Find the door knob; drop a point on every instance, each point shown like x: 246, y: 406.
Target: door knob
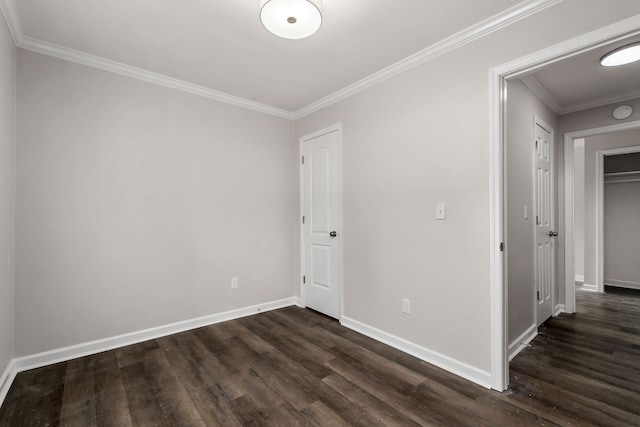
x: 333, y: 234
x: 553, y: 234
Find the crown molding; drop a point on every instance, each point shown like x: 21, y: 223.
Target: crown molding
x: 570, y: 48
x: 567, y: 49
x: 466, y: 36
x: 10, y: 13
x: 599, y: 102
x: 481, y: 29
x: 78, y: 57
x: 542, y: 93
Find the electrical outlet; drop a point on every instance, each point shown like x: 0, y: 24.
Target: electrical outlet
x: 234, y: 283
x: 406, y: 306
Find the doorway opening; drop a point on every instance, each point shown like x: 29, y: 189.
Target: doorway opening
x: 498, y: 120
x: 570, y: 211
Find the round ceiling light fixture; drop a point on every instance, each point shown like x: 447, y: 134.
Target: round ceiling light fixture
x: 622, y: 56
x: 291, y: 19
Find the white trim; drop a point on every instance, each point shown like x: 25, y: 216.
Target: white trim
x: 541, y: 92
x: 10, y: 13
x: 78, y: 57
x: 622, y: 283
x: 547, y: 98
x: 569, y: 218
x: 579, y: 279
x: 560, y: 308
x: 51, y: 49
x: 72, y: 352
x: 599, y: 102
x: 466, y: 36
x: 497, y: 76
x: 6, y: 380
x: 569, y: 48
x: 333, y: 128
x: 303, y: 296
x: 600, y: 221
x: 621, y: 177
x: 450, y: 364
x: 497, y: 235
x: 522, y: 341
x: 586, y: 287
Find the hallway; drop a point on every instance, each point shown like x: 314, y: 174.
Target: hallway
x: 584, y: 368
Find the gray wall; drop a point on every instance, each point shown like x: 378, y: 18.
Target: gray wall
x: 522, y: 106
x: 7, y: 126
x: 416, y: 140
x: 137, y: 204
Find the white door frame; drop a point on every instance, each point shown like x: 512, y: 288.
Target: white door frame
x: 569, y: 172
x: 333, y: 128
x: 497, y: 135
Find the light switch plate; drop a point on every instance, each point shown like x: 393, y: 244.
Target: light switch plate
x: 441, y: 211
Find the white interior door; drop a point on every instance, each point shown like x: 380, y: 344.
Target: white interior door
x: 321, y: 219
x: 545, y: 233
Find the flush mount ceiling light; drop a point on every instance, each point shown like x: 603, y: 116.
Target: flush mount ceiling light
x: 291, y: 19
x: 621, y: 56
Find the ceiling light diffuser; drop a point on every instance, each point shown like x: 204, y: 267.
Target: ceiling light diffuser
x: 621, y: 56
x: 291, y: 19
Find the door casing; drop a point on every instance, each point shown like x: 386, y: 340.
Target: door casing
x: 497, y: 118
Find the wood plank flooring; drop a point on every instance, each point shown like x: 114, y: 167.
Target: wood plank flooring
x: 296, y: 367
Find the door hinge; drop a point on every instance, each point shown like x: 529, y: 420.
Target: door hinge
x: 501, y: 246
x: 537, y: 220
x: 303, y: 160
x: 303, y: 219
x: 538, y: 295
x: 304, y: 279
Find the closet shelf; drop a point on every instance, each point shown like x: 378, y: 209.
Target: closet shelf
x: 618, y: 177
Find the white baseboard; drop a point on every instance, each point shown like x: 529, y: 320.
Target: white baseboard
x: 587, y: 288
x: 522, y: 341
x: 579, y: 279
x: 6, y: 380
x: 560, y: 308
x: 457, y: 367
x: 72, y: 352
x: 622, y: 283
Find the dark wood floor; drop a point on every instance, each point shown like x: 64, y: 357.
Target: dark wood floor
x: 296, y: 367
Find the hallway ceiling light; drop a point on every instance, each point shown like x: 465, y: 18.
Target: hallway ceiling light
x: 621, y: 56
x: 291, y: 19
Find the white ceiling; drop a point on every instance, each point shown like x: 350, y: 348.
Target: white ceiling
x: 580, y: 82
x: 221, y: 44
